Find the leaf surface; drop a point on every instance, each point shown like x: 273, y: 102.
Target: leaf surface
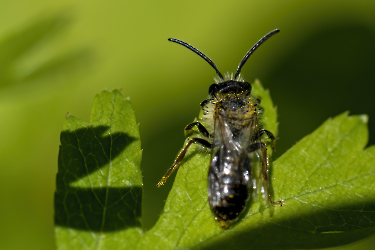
x: 99, y: 181
x: 326, y: 183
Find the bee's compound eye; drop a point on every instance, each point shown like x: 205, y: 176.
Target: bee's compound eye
x: 213, y: 89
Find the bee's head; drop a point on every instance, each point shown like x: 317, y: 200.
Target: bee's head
x: 228, y: 84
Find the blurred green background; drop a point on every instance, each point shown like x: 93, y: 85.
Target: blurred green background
x: 56, y: 55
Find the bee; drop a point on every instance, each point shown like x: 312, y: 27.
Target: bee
x: 231, y: 129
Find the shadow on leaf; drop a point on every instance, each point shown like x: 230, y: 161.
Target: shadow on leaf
x: 325, y: 227
x: 101, y: 209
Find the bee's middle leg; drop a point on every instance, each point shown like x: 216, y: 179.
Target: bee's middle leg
x: 181, y: 156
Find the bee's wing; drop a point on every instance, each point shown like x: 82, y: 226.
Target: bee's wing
x: 230, y: 163
x: 259, y: 161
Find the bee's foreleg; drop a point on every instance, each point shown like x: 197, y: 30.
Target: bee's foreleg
x: 181, y: 156
x: 200, y: 127
x: 205, y: 102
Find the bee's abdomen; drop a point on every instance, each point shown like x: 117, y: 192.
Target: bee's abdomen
x: 228, y: 185
x: 231, y: 202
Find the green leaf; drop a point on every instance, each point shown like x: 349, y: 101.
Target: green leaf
x: 326, y: 183
x: 99, y: 181
x: 269, y: 117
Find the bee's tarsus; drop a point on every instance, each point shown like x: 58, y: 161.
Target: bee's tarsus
x: 280, y: 203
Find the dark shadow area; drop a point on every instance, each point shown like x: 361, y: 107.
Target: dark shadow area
x: 82, y: 152
x: 331, y: 72
x: 76, y: 155
x: 326, y: 228
x: 99, y: 209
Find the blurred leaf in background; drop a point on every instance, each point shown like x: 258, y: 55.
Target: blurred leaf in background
x: 23, y: 59
x: 28, y: 64
x: 18, y: 48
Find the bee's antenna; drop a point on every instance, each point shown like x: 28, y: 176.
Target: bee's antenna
x: 196, y: 51
x: 248, y: 54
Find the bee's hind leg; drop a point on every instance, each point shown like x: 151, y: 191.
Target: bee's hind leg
x: 181, y: 156
x: 270, y: 135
